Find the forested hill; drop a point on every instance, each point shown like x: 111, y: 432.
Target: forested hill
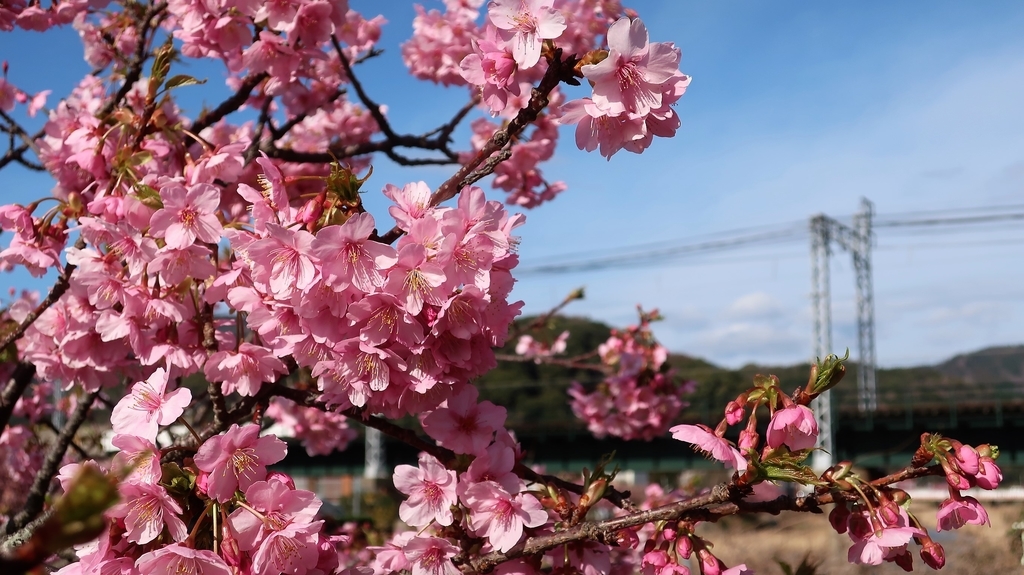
x: 535, y: 395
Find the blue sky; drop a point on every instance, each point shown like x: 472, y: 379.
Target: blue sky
x: 794, y: 109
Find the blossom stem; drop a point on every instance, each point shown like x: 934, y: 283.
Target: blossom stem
x: 199, y: 523
x: 216, y: 532
x: 190, y: 430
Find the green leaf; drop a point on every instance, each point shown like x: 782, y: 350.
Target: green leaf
x: 140, y: 158
x: 180, y: 80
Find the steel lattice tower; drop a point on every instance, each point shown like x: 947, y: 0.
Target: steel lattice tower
x: 857, y: 240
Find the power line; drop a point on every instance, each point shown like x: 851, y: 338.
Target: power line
x: 641, y: 258
x: 966, y: 220
x: 658, y: 254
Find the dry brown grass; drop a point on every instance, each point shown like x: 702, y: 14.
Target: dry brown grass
x: 759, y: 543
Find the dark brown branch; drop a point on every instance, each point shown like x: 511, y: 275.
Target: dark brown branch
x: 724, y: 499
x: 58, y: 289
x: 603, y: 531
x: 229, y: 105
x: 16, y: 386
x: 41, y: 486
x: 16, y: 129
x: 446, y: 456
x: 18, y: 154
x: 558, y: 70
x: 385, y: 146
x: 47, y: 423
x: 138, y: 59
x: 371, y: 106
x: 261, y: 126
x: 276, y: 133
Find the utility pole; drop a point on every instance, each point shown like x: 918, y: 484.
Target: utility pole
x: 821, y: 302
x: 373, y: 467
x: 857, y: 240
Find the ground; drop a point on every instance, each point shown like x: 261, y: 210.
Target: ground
x: 971, y: 551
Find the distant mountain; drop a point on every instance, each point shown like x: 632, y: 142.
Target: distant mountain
x: 1003, y: 364
x: 535, y: 395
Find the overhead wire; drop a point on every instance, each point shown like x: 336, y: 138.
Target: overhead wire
x: 920, y: 222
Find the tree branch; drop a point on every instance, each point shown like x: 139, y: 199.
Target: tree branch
x: 58, y: 289
x: 41, y: 486
x: 723, y: 500
x: 231, y: 104
x: 446, y: 456
x: 558, y: 70
x: 16, y: 386
x: 138, y: 59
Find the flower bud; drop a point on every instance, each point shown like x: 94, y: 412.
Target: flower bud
x: 933, y: 554
x: 310, y: 212
x: 229, y: 548
x: 734, y: 412
x: 281, y: 477
x: 839, y: 517
x: 709, y: 564
x: 684, y: 547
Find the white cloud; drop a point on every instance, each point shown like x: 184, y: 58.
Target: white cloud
x: 756, y: 305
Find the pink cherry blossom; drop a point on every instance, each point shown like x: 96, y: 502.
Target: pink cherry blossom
x: 283, y: 260
x: 237, y: 458
x: 176, y: 559
x: 956, y: 512
x: 794, y: 426
x: 415, y: 279
x: 704, y: 440
x: 501, y: 516
x: 348, y: 256
x: 524, y: 24
x: 431, y: 556
x: 146, y: 509
x: 244, y: 370
x: 431, y: 491
x: 140, y: 457
x: 284, y: 534
x: 188, y: 215
x: 148, y: 406
x: 629, y: 80
x: 465, y: 426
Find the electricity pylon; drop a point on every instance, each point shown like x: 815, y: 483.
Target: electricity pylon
x: 857, y: 240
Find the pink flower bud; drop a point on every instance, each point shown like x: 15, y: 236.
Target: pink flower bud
x: 966, y: 458
x: 282, y: 477
x: 684, y: 547
x: 748, y: 440
x: 202, y: 482
x: 734, y: 413
x: 989, y: 475
x: 933, y: 554
x: 710, y: 565
x: 794, y: 427
x: 229, y: 548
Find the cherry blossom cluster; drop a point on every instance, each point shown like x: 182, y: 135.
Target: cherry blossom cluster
x: 528, y: 346
x: 220, y: 282
x: 640, y: 398
x: 37, y: 17
x: 257, y: 521
x: 876, y: 518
